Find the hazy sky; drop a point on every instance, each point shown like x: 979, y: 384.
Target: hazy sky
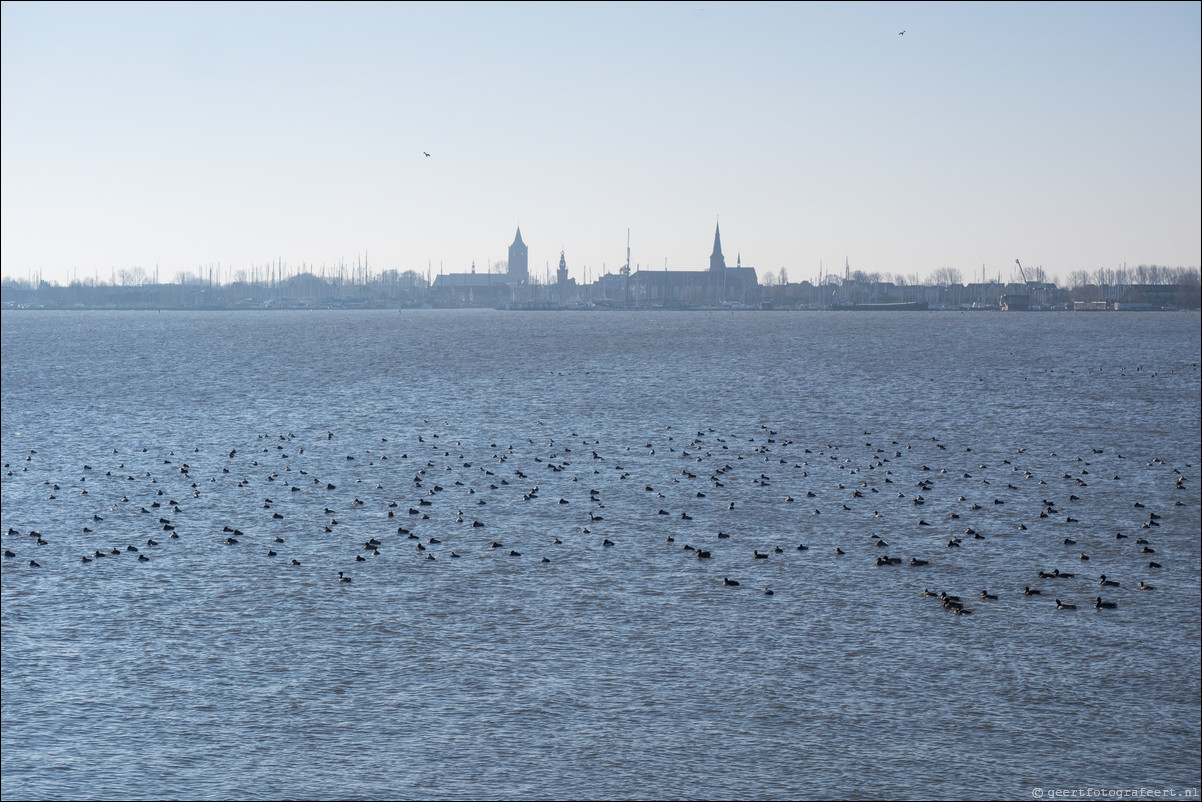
x: 188, y: 135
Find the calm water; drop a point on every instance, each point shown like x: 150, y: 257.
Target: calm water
x: 215, y: 671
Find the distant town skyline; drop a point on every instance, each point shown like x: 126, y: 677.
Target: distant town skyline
x: 183, y: 137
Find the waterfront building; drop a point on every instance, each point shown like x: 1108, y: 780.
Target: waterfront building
x: 719, y: 285
x: 471, y: 289
x: 485, y: 289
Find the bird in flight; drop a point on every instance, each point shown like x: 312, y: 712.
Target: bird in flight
x: 899, y: 33
x: 427, y: 154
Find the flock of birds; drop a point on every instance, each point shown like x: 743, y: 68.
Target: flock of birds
x: 726, y: 499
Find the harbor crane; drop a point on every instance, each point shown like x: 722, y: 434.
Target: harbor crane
x: 1030, y: 286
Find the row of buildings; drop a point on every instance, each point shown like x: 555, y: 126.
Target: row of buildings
x: 719, y: 285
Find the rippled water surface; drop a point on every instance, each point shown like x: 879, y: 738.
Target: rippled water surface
x: 212, y: 670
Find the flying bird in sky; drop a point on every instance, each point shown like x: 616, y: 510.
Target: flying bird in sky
x: 899, y: 33
x: 427, y: 154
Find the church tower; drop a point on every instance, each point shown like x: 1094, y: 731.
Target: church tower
x: 519, y: 266
x: 561, y: 275
x: 717, y: 261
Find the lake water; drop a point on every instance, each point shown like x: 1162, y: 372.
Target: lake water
x: 212, y: 670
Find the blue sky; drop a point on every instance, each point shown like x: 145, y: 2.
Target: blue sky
x: 188, y: 135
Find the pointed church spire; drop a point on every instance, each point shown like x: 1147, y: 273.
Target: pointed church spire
x: 717, y: 261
